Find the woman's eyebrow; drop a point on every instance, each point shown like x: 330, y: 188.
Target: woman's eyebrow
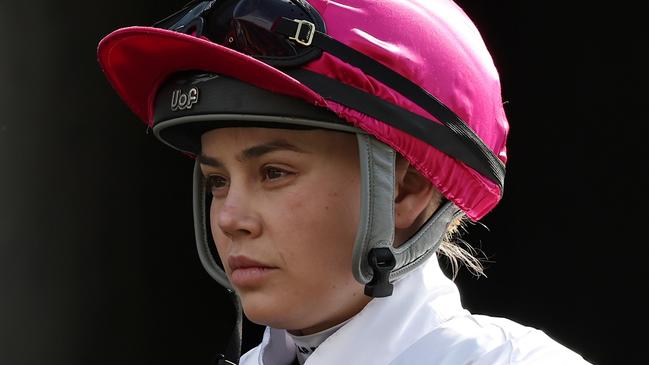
x: 262, y: 149
x: 253, y: 152
x: 209, y: 161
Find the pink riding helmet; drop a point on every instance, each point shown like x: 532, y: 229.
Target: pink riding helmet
x: 432, y: 43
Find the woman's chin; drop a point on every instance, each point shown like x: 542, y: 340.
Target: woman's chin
x: 268, y: 311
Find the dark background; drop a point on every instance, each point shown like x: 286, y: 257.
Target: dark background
x: 97, y: 260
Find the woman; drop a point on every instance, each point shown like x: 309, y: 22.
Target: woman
x: 328, y: 133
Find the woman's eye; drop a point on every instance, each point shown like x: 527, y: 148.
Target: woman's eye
x: 216, y: 182
x: 272, y: 173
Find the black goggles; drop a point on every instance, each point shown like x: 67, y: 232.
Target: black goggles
x: 290, y: 33
x: 247, y: 26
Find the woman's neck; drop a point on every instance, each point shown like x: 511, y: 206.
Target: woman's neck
x: 305, y: 345
x: 333, y: 321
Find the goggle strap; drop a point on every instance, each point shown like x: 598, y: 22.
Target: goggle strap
x: 289, y: 28
x: 434, y: 134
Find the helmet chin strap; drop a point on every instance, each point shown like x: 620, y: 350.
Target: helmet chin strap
x: 201, y: 222
x: 375, y: 262
x: 372, y: 258
x: 208, y: 259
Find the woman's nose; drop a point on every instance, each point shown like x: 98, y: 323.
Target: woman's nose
x: 236, y: 216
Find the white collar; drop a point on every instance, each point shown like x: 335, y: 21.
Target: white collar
x: 305, y: 345
x: 421, y: 301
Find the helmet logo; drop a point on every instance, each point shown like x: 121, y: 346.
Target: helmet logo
x: 182, y: 101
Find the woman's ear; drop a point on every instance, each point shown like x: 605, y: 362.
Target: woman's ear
x: 414, y: 194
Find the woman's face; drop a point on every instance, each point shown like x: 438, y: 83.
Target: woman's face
x: 284, y: 216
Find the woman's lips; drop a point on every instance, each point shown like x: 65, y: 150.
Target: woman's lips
x: 246, y: 272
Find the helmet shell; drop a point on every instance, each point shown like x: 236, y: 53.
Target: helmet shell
x: 439, y: 48
x: 431, y: 42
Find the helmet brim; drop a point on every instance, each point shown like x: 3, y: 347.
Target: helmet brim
x: 137, y: 60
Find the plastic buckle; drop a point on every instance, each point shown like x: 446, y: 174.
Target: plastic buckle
x: 310, y: 34
x: 382, y: 262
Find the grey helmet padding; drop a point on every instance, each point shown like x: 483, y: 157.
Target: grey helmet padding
x: 425, y: 242
x: 376, y: 223
x: 223, y: 102
x: 201, y: 223
x: 376, y: 226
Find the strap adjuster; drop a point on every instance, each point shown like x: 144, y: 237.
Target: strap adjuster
x: 309, y: 35
x: 382, y: 262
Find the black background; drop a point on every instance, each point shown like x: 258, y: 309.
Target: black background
x: 97, y: 260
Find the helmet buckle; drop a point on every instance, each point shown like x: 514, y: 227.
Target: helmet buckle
x: 382, y: 262
x: 309, y: 35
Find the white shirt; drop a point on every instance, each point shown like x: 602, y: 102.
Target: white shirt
x: 423, y: 322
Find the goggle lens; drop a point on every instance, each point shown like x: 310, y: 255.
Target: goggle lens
x: 246, y: 26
